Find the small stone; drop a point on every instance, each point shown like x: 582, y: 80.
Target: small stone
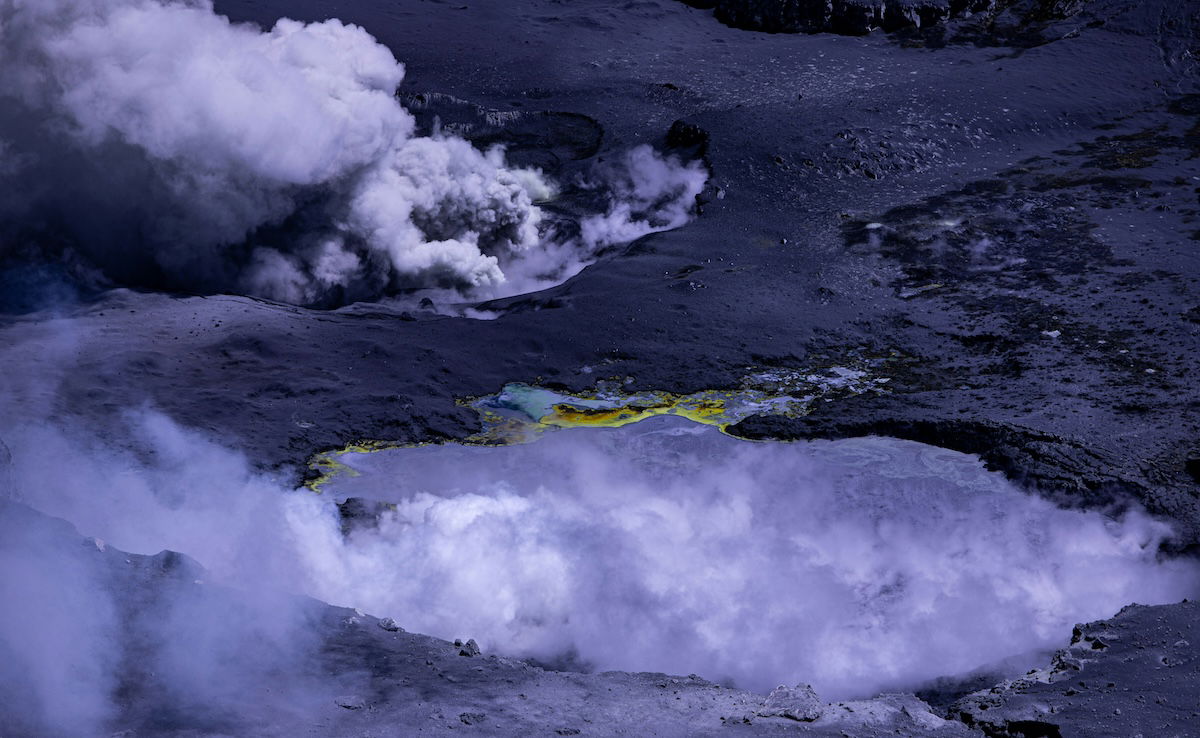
x: 390, y: 626
x: 350, y: 702
x: 472, y: 718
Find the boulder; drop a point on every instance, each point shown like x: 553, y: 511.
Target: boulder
x: 796, y: 703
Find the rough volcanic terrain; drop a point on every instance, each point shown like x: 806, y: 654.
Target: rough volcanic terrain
x: 996, y: 211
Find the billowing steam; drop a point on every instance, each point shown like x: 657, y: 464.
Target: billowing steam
x: 653, y: 194
x: 176, y: 148
x: 856, y: 566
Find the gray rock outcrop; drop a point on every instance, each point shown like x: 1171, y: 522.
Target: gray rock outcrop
x: 840, y: 16
x: 857, y: 17
x: 1134, y: 674
x: 796, y: 703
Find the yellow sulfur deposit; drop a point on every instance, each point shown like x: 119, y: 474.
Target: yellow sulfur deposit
x: 519, y: 413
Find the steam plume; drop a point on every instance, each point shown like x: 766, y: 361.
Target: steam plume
x: 857, y: 566
x: 175, y: 148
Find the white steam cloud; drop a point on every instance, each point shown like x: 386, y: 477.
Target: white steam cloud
x: 168, y: 138
x: 654, y: 193
x: 55, y: 635
x: 857, y: 566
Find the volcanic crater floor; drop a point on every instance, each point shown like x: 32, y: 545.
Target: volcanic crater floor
x: 1004, y: 231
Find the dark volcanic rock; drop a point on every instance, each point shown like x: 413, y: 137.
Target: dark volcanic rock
x: 1191, y: 465
x: 1136, y: 674
x: 469, y: 649
x: 856, y: 17
x: 839, y: 16
x: 360, y: 514
x: 684, y: 135
x: 776, y: 16
x: 918, y: 13
x: 1055, y: 9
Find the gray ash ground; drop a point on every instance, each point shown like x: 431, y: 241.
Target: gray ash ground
x: 1013, y: 224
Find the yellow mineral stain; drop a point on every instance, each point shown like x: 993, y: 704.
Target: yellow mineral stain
x: 520, y: 413
x: 570, y: 416
x: 328, y: 465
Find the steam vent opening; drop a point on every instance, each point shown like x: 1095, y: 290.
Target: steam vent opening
x: 858, y: 566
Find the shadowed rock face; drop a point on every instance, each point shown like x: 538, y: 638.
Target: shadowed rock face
x: 856, y: 17
x: 1137, y: 670
x: 842, y: 16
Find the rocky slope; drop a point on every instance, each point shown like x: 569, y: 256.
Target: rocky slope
x: 1136, y: 674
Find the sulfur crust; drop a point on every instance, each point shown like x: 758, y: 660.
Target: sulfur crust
x: 520, y: 413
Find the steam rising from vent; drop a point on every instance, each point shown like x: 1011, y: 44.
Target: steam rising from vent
x: 858, y: 566
x: 177, y: 149
x: 653, y: 194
